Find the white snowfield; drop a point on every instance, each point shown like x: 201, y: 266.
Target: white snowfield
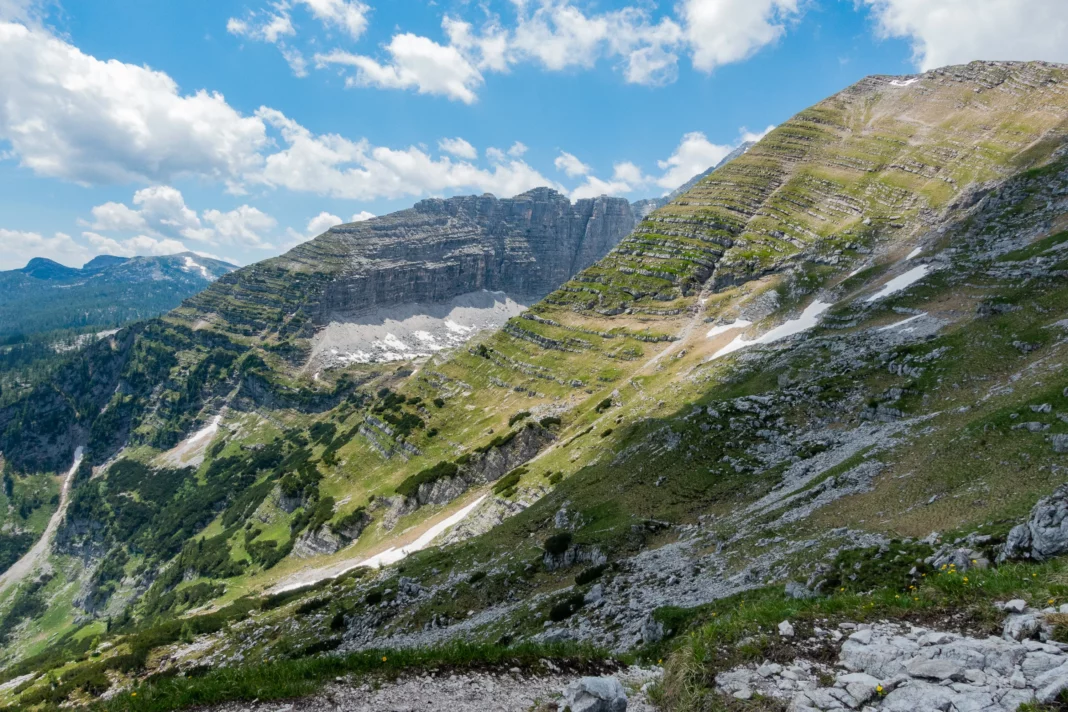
x: 724, y: 328
x: 900, y: 283
x: 905, y: 83
x: 808, y: 319
x: 900, y: 324
x: 385, y: 558
x: 407, y: 331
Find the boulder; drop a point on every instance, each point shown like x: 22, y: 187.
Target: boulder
x: 1060, y: 444
x: 652, y: 631
x: 1045, y: 534
x: 799, y: 591
x: 935, y: 669
x: 1021, y: 626
x: 595, y: 694
x: 786, y: 629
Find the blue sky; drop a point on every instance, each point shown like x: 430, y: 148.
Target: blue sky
x: 238, y: 128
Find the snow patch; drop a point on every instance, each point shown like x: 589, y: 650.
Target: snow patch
x: 387, y: 557
x: 900, y: 283
x: 724, y: 328
x: 808, y: 319
x: 914, y: 254
x: 907, y: 82
x: 391, y: 555
x: 900, y: 324
x: 192, y: 265
x: 409, y: 331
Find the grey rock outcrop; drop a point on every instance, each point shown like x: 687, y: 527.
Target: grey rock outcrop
x: 526, y: 245
x: 317, y: 543
x: 904, y: 669
x: 1045, y: 533
x: 1060, y: 444
x: 595, y: 694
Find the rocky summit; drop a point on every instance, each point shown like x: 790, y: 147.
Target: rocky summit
x: 437, y: 250
x: 795, y: 441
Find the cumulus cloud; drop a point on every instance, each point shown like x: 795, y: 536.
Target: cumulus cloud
x: 959, y: 31
x: 350, y: 16
x: 116, y: 217
x: 68, y: 115
x: 414, y: 62
x: 332, y: 165
x: 18, y: 247
x: 362, y: 216
x: 161, y: 212
x: 726, y: 31
x: 321, y: 223
x: 138, y: 245
x: 560, y: 35
x: 244, y: 226
x: 694, y: 154
x: 458, y: 147
x: 570, y: 165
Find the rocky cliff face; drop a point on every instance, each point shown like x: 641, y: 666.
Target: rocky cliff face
x: 437, y: 250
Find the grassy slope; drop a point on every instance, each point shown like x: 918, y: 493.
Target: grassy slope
x: 813, y: 180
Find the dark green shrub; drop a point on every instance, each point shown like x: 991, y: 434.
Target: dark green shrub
x: 518, y: 417
x: 591, y: 574
x: 410, y: 486
x: 550, y: 421
x: 566, y: 608
x: 604, y: 405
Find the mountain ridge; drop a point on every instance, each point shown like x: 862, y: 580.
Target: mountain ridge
x: 661, y: 436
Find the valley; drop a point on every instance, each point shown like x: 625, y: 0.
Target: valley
x: 493, y: 437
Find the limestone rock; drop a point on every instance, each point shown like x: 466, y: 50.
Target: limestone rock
x: 595, y: 694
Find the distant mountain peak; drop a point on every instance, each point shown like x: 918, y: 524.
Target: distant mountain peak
x: 44, y: 268
x: 103, y: 262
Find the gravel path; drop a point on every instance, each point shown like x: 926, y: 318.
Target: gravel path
x: 470, y: 692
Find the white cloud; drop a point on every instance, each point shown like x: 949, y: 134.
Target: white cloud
x: 135, y: 246
x: 726, y: 31
x: 116, y: 216
x: 518, y: 150
x: 458, y: 147
x: 496, y: 155
x: 347, y: 15
x: 594, y: 187
x: 748, y: 136
x: 415, y: 63
x: 164, y: 210
x: 694, y: 155
x: 335, y: 166
x: 629, y: 173
x: 321, y: 223
x: 362, y: 216
x: 570, y: 165
x: 946, y: 32
x: 269, y: 26
x: 162, y: 214
x: 17, y: 248
x: 244, y: 225
x: 68, y: 115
